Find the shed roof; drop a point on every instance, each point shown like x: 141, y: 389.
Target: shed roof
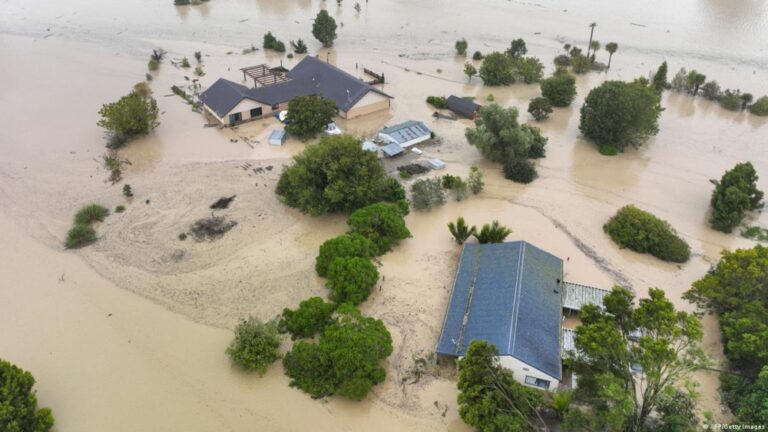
x: 463, y: 107
x: 393, y: 149
x: 507, y: 294
x: 575, y: 296
x: 407, y: 131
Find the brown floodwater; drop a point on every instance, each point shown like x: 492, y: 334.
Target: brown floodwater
x: 157, y: 362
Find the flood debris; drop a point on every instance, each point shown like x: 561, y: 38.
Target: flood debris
x: 413, y: 169
x: 211, y: 228
x: 222, y: 203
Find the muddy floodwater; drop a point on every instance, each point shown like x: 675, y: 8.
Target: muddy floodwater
x: 129, y: 334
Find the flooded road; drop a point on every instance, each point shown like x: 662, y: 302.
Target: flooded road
x: 62, y: 61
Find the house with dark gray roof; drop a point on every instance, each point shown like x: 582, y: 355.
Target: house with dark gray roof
x: 232, y: 103
x: 463, y: 107
x: 508, y: 294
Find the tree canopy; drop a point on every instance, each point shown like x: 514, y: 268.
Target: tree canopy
x: 560, y: 88
x: 735, y: 194
x: 345, y: 245
x: 18, y: 402
x: 130, y: 116
x: 660, y: 78
x: 351, y: 279
x: 335, y: 175
x: 345, y: 361
x: 496, y: 69
x: 256, y: 345
x: 324, y: 28
x: 490, y: 400
x: 381, y: 223
x: 310, y: 318
x: 540, y: 108
x: 643, y: 232
x: 308, y: 115
x: 629, y: 357
x: 619, y: 114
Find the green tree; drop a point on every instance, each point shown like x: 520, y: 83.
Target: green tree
x: 643, y: 232
x: 271, y: 42
x: 310, y: 318
x: 381, y: 223
x: 580, y: 63
x: 711, y: 90
x: 662, y: 356
x: 324, y: 28
x: 469, y: 71
x: 676, y: 411
x: 528, y: 69
x: 660, y: 78
x: 540, y: 108
x: 438, y: 102
x: 427, y: 193
x: 461, y: 47
x: 335, y: 175
x: 346, y: 360
x: 560, y: 88
x: 746, y: 99
x: 679, y: 82
x: 256, y: 345
x: 749, y: 399
x: 18, y: 402
x: 694, y: 80
x: 461, y: 231
x: 130, y: 116
x: 612, y: 47
x: 735, y: 194
x: 760, y: 107
x: 619, y: 114
x: 308, y: 115
x: 496, y: 70
x: 490, y: 400
x: 493, y: 233
x: 475, y: 180
x: 351, y: 279
x: 731, y: 100
x: 477, y: 56
x: 343, y: 246
x: 520, y: 171
x: 517, y: 48
x: 299, y: 47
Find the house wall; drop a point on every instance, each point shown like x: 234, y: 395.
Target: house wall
x: 244, y: 107
x: 371, y: 102
x: 520, y: 370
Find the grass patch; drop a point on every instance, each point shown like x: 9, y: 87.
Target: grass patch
x: 80, y: 235
x: 90, y: 214
x: 755, y: 233
x: 608, y: 151
x: 120, y: 209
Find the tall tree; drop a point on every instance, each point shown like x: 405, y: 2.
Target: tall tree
x: 496, y: 69
x: 660, y: 78
x: 629, y: 357
x: 591, y: 33
x: 324, y: 28
x: 130, y: 116
x: 735, y: 194
x: 489, y: 397
x: 611, y: 47
x: 308, y: 115
x: 517, y: 48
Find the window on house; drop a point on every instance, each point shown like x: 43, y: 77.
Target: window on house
x: 235, y: 118
x: 538, y: 382
x: 256, y: 112
x: 276, y: 106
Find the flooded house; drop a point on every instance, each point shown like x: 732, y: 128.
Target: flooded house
x: 463, y: 107
x: 231, y: 103
x: 405, y: 134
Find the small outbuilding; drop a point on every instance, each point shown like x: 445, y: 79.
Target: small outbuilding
x: 392, y: 150
x: 277, y: 137
x: 463, y: 107
x: 370, y: 146
x: 406, y: 134
x: 436, y: 164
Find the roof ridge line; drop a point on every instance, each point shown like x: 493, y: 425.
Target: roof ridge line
x: 518, y: 291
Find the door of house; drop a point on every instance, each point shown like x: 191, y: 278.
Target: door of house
x: 256, y: 112
x: 235, y: 118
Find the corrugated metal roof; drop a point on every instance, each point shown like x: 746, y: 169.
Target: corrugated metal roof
x: 392, y: 149
x: 577, y: 295
x: 507, y: 294
x: 463, y: 107
x: 407, y: 131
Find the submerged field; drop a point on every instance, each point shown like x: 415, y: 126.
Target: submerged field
x: 130, y: 333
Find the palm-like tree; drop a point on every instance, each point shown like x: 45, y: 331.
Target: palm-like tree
x: 493, y: 233
x: 595, y: 45
x: 591, y: 32
x: 746, y: 99
x: 460, y: 231
x: 611, y: 47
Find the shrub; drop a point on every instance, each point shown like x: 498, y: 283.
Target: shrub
x: 91, y: 213
x: 185, y: 63
x: 475, y: 180
x: 153, y: 65
x: 520, y: 170
x: 562, y: 61
x: 335, y: 175
x: 643, y: 232
x: 18, y: 402
x: 198, y: 56
x: 450, y: 181
x: 477, y: 56
x: 343, y: 246
x: 735, y: 194
x: 580, y: 64
x: 309, y: 115
x: 120, y: 208
x: 427, y: 193
x: 142, y: 88
x: 760, y: 107
x: 620, y: 114
x: 80, y: 235
x: 324, y: 28
x: 130, y: 116
x: 299, y: 47
x: 346, y: 359
x: 271, y: 42
x: 256, y: 345
x: 711, y: 90
x: 540, y: 108
x: 496, y: 70
x: 381, y: 223
x: 731, y: 100
x: 461, y: 47
x: 392, y: 191
x: 493, y: 233
x: 127, y: 191
x: 439, y: 102
x: 183, y: 236
x: 559, y: 89
x: 351, y: 279
x: 309, y: 319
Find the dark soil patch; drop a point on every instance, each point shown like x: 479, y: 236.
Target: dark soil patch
x: 222, y: 203
x: 211, y: 228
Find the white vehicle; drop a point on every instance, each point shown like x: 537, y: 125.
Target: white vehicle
x: 332, y: 129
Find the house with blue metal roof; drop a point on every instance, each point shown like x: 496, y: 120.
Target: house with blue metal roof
x: 406, y: 134
x: 509, y: 295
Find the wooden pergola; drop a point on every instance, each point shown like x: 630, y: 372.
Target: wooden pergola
x: 264, y: 75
